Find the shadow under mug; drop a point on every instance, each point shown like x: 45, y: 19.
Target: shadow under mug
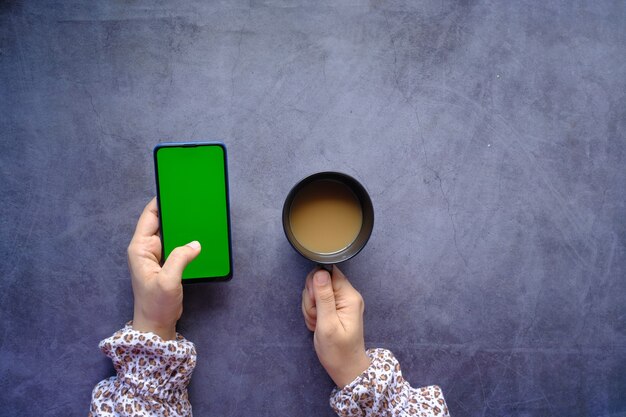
x: 367, y: 224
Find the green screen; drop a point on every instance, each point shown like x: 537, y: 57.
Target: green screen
x: 192, y: 193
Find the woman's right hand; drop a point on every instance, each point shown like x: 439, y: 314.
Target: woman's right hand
x: 333, y: 310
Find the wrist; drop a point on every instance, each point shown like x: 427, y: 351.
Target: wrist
x: 167, y: 331
x: 353, y: 369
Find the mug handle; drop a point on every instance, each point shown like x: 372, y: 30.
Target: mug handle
x: 327, y: 267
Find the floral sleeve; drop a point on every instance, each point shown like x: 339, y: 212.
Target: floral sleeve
x: 382, y: 391
x: 152, y: 376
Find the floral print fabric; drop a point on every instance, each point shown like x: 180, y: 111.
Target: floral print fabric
x: 382, y: 391
x: 152, y: 376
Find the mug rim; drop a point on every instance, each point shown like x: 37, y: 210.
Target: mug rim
x: 367, y: 224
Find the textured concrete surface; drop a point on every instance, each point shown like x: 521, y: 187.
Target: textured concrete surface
x: 491, y: 136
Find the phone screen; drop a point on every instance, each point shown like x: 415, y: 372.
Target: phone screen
x: 192, y: 194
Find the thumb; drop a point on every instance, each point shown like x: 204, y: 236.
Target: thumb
x: 324, y: 296
x: 179, y: 258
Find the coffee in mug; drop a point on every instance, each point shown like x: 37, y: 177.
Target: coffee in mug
x: 328, y: 217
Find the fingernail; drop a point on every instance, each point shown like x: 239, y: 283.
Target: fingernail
x: 321, y: 277
x: 194, y: 245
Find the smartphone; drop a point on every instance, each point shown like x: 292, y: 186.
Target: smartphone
x: 192, y: 195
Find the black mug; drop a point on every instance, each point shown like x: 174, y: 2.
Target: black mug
x: 367, y: 223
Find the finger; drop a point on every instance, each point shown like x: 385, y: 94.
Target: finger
x: 148, y: 223
x: 178, y: 259
x: 308, y: 320
x: 309, y: 325
x: 324, y: 297
x: 308, y: 285
x: 308, y: 302
x: 154, y: 246
x: 340, y: 282
x: 308, y: 308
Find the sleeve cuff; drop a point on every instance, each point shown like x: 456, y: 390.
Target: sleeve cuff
x: 149, y: 365
x: 363, y: 392
x: 381, y: 390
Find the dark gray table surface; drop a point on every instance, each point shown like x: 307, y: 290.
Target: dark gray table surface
x: 491, y: 136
